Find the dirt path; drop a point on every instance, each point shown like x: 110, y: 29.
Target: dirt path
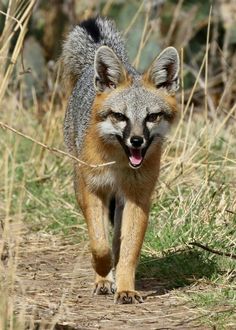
x: 54, y: 284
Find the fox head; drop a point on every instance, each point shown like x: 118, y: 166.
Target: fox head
x: 132, y: 110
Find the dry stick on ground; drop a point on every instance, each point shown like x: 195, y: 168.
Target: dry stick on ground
x: 207, y: 248
x: 52, y: 149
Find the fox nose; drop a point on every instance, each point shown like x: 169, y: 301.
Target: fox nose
x: 136, y: 141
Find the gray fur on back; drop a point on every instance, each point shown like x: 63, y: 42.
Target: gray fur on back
x: 79, y: 110
x: 78, y: 60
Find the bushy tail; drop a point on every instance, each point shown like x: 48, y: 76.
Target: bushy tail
x: 80, y: 46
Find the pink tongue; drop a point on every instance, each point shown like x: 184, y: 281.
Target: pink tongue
x: 135, y: 157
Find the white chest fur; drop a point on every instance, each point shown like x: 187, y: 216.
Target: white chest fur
x: 105, y: 179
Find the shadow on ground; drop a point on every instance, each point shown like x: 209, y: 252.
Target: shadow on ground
x: 173, y: 271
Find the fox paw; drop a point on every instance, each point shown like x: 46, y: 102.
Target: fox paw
x: 128, y: 297
x: 104, y: 287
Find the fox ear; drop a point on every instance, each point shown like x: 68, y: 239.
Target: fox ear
x: 164, y: 70
x: 109, y: 71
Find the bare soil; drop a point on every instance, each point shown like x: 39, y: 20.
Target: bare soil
x: 54, y: 289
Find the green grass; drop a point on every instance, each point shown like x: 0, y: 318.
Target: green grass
x: 198, y: 205
x: 40, y: 189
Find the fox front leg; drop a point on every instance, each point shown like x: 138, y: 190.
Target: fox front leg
x: 134, y: 224
x: 96, y: 215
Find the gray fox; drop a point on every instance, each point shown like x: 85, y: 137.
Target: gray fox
x: 116, y: 114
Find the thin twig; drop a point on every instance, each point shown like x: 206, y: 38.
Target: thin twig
x: 207, y: 248
x: 230, y: 211
x: 52, y: 149
x: 24, y: 70
x: 19, y: 24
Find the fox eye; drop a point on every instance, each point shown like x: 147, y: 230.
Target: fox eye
x: 152, y: 117
x: 118, y: 116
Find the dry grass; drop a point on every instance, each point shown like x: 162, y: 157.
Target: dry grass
x: 195, y: 200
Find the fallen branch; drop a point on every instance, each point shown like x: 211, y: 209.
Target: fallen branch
x: 52, y: 149
x: 207, y: 248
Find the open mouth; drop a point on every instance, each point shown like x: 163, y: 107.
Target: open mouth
x: 135, y: 157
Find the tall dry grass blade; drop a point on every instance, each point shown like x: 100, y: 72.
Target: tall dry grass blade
x: 182, y: 80
x: 12, y: 24
x: 143, y: 39
x: 174, y: 21
x: 206, y: 93
x: 134, y: 18
x: 107, y: 7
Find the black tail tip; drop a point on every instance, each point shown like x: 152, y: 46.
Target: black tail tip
x: 91, y: 28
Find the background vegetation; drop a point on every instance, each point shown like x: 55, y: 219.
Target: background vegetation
x: 190, y: 245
